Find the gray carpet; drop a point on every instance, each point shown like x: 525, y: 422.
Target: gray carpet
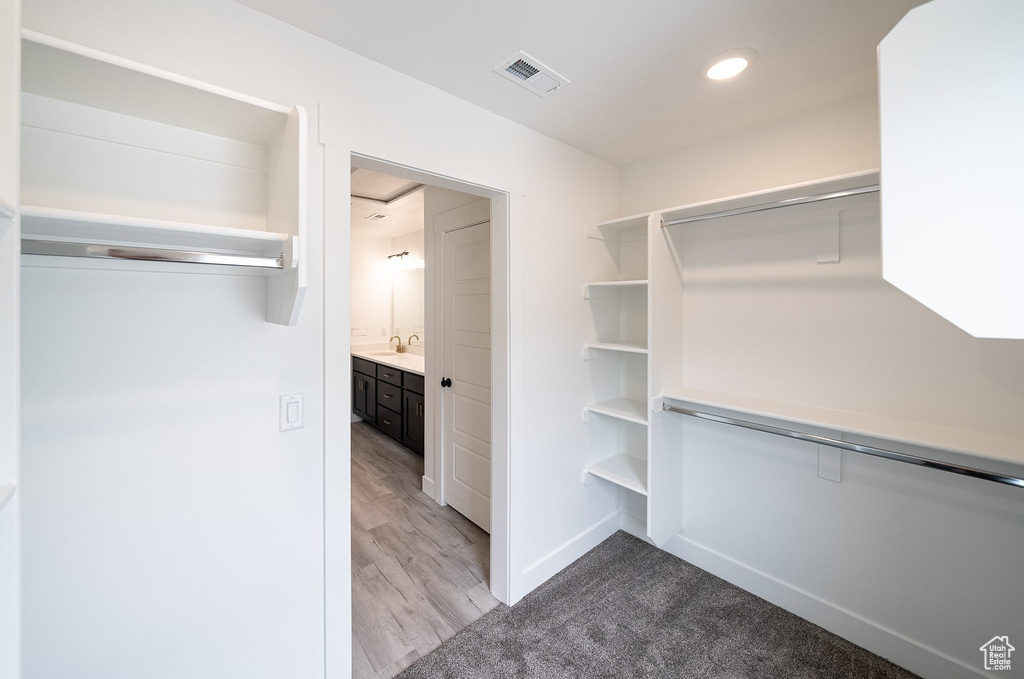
x: 627, y: 609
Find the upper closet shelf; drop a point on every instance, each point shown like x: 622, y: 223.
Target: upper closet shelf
x: 121, y: 160
x: 787, y: 196
x: 53, y: 224
x: 58, y: 69
x: 932, y: 436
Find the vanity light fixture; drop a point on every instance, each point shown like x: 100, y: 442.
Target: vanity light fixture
x: 728, y: 64
x: 402, y: 260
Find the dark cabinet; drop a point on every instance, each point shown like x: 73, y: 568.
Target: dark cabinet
x: 391, y: 399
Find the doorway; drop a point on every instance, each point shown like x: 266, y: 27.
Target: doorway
x: 420, y: 569
x: 346, y: 137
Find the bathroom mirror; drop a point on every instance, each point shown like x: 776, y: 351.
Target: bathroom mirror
x: 408, y: 303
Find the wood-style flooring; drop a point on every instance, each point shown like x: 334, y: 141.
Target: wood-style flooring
x: 419, y: 570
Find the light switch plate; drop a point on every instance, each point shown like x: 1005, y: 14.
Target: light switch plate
x: 293, y: 412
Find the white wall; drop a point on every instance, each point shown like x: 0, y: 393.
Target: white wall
x: 371, y: 288
x: 373, y: 284
x: 917, y: 565
x: 10, y: 246
x: 170, y: 526
x: 410, y: 300
x: 835, y: 140
x: 411, y: 242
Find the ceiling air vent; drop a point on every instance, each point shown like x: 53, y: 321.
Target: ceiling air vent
x: 376, y: 217
x: 524, y: 70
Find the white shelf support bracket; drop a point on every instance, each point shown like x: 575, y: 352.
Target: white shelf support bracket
x: 585, y: 353
x: 657, y: 405
x: 584, y: 476
x: 290, y: 253
x: 827, y: 237
x: 7, y: 492
x: 830, y: 460
x: 585, y: 290
x: 586, y: 416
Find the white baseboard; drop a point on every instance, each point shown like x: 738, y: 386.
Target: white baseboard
x: 428, y: 487
x: 914, y: 656
x: 634, y: 525
x: 540, y: 571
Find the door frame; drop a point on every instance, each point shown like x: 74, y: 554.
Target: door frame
x: 344, y: 135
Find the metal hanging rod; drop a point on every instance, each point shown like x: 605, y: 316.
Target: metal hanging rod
x: 853, y: 447
x: 788, y: 202
x: 61, y: 249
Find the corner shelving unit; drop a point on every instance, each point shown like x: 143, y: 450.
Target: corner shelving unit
x: 618, y: 357
x: 157, y: 167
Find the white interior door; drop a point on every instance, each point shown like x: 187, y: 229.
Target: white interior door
x: 466, y: 402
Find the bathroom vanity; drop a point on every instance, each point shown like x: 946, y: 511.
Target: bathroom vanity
x: 387, y: 392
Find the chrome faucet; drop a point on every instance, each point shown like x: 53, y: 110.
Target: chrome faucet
x: 409, y: 343
x: 400, y: 349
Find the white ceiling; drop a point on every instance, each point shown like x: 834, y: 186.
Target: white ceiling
x: 374, y: 193
x: 635, y: 91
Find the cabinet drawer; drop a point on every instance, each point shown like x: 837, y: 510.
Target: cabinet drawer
x: 389, y: 396
x: 361, y: 365
x: 389, y: 374
x: 413, y: 382
x: 390, y: 423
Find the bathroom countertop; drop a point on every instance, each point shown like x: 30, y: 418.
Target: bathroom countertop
x: 408, y: 361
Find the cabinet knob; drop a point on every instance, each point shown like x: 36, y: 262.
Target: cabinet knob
x: 386, y: 395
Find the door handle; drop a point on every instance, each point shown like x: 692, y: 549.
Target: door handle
x: 446, y: 382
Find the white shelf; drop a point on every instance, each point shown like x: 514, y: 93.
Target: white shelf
x: 630, y: 410
x: 774, y: 195
x: 158, y: 160
x: 39, y: 223
x: 62, y: 70
x: 617, y: 284
x: 623, y: 470
x: 624, y: 229
x: 623, y: 347
x: 928, y: 435
x: 590, y: 288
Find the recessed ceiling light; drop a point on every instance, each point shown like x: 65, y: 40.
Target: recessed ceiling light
x: 728, y: 64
